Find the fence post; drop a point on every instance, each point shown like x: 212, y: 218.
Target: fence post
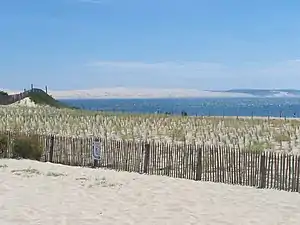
x: 96, y: 162
x: 9, y: 152
x: 147, y: 158
x: 263, y: 170
x: 297, y: 175
x: 51, y: 148
x: 199, y: 164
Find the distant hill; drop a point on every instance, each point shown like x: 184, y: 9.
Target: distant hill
x: 267, y: 92
x: 38, y: 96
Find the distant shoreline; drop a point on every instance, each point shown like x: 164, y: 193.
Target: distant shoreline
x: 169, y: 98
x: 156, y: 93
x: 127, y: 93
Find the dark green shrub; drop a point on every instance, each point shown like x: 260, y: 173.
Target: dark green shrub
x: 3, y: 93
x: 3, y: 145
x: 27, y: 147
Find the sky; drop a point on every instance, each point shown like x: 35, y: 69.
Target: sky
x: 190, y: 44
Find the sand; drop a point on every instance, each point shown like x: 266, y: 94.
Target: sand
x: 24, y: 102
x: 125, y: 93
x: 45, y: 193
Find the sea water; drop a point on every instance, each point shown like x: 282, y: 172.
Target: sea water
x: 274, y: 107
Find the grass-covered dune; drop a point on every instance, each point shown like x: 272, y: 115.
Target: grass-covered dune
x: 38, y: 96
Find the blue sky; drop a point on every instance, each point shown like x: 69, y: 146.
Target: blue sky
x: 201, y: 44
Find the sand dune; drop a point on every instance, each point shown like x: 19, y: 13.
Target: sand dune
x: 43, y: 193
x: 122, y: 92
x: 24, y: 102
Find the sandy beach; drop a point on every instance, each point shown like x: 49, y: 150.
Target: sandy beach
x: 43, y: 193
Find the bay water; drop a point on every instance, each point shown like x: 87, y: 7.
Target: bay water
x: 274, y: 107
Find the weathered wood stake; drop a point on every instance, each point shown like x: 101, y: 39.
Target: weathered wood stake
x: 51, y: 149
x: 147, y: 158
x: 199, y: 165
x: 263, y: 171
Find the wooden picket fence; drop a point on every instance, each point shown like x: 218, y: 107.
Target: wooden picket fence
x: 196, y: 162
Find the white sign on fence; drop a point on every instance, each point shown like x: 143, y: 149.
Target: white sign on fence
x: 96, y: 150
